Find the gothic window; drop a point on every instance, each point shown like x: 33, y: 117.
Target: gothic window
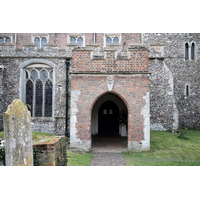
x: 187, y: 90
x: 8, y: 40
x: 37, y: 41
x: 116, y: 40
x: 5, y: 39
x: 80, y: 42
x: 1, y: 40
x: 111, y: 38
x: 73, y: 40
x: 40, y: 41
x: 192, y: 51
x: 186, y: 51
x: 76, y: 39
x: 39, y: 90
x: 108, y: 41
x: 43, y: 41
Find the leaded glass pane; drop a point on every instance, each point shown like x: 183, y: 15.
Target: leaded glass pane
x: 80, y: 42
x: 8, y: 40
x: 51, y: 75
x: 34, y: 75
x: 187, y: 90
x: 192, y: 51
x: 44, y: 41
x: 37, y: 41
x: 43, y: 75
x: 115, y: 40
x: 29, y: 96
x: 38, y: 98
x: 1, y: 40
x: 48, y: 98
x: 108, y: 41
x: 73, y: 40
x: 186, y: 51
x: 26, y: 74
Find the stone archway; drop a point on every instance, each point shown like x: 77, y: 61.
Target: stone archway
x: 107, y: 131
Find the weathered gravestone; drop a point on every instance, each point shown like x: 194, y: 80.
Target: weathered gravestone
x: 18, y: 135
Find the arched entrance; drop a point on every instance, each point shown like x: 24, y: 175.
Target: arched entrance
x: 108, y: 131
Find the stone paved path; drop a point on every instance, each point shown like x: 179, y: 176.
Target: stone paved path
x: 108, y: 159
x: 107, y: 150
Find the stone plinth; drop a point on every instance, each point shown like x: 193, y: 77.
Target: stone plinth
x: 18, y: 135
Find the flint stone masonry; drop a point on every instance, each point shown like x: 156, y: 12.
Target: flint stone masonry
x: 18, y: 135
x: 170, y: 107
x: 1, y: 97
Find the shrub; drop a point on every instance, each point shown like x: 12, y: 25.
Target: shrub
x: 183, y: 136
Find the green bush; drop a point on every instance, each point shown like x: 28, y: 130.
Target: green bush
x: 182, y: 136
x: 2, y: 152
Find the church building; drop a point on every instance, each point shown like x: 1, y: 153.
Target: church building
x: 87, y: 84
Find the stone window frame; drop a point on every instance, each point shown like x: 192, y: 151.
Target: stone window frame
x: 189, y: 89
x: 189, y: 50
x: 40, y: 37
x: 112, y: 36
x: 195, y: 51
x: 76, y: 36
x: 22, y: 87
x: 6, y: 36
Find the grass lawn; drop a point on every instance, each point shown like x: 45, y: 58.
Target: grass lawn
x: 75, y: 159
x: 168, y: 150
x: 37, y: 137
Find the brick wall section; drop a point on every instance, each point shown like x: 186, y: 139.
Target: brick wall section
x: 49, y: 153
x: 82, y: 62
x: 61, y: 38
x: 131, y: 38
x: 130, y: 89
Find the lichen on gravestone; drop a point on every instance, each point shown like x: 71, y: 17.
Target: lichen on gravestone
x: 18, y: 135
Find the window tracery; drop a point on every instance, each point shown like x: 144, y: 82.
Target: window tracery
x: 39, y: 90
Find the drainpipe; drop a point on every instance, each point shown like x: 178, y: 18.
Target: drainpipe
x: 94, y: 38
x: 15, y: 38
x: 67, y: 93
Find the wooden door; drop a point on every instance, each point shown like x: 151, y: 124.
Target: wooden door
x: 108, y: 122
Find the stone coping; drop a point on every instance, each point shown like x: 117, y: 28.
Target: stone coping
x: 7, y: 44
x: 52, y: 141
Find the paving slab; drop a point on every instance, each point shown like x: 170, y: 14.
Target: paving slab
x: 108, y: 159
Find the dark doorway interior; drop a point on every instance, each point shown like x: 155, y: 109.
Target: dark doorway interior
x: 108, y: 122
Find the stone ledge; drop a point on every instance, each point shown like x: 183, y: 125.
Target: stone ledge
x: 7, y: 44
x: 30, y: 45
x: 42, y: 119
x: 71, y: 45
x: 137, y: 47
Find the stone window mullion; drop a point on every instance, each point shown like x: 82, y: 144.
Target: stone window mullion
x: 189, y: 53
x: 34, y: 99
x: 43, y: 102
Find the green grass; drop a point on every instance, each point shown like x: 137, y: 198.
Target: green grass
x: 166, y: 149
x: 75, y: 159
x: 37, y: 137
x: 2, y: 135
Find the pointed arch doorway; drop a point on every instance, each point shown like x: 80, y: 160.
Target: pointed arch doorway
x: 107, y: 131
